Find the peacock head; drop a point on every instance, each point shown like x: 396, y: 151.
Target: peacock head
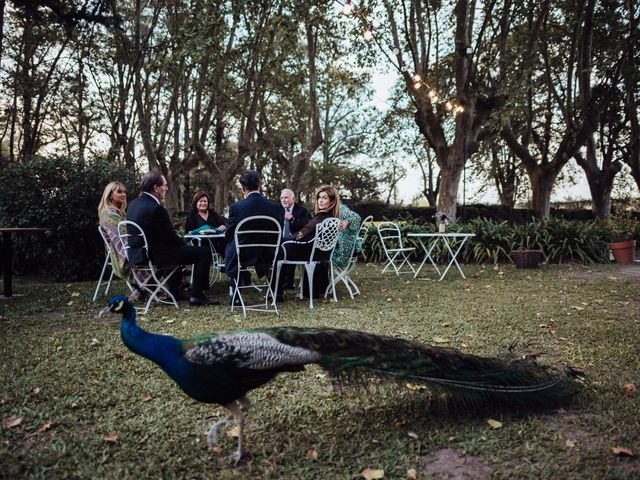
x: 118, y: 304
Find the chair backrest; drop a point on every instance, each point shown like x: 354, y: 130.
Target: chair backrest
x: 258, y: 235
x: 131, y: 234
x: 326, y: 238
x: 390, y: 236
x: 107, y: 244
x: 363, y: 231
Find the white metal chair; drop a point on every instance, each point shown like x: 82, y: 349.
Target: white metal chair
x: 256, y: 237
x: 397, y: 255
x: 323, y: 245
x: 105, y: 265
x: 343, y: 275
x: 149, y: 278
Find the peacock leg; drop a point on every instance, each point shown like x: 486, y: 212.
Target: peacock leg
x: 239, y: 408
x: 216, y: 428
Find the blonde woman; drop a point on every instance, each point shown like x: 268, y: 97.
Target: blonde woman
x: 110, y: 213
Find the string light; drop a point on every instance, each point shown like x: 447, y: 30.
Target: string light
x: 348, y: 9
x: 368, y: 34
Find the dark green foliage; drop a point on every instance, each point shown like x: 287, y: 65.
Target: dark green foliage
x: 61, y: 194
x: 466, y: 213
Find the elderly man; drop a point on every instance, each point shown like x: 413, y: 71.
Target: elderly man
x: 165, y: 246
x: 253, y: 204
x: 295, y: 217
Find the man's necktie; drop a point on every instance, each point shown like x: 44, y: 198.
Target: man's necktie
x: 287, y: 226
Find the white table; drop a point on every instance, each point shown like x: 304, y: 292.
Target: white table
x: 428, y: 241
x: 217, y: 258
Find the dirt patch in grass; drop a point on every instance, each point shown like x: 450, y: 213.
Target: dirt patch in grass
x: 454, y: 465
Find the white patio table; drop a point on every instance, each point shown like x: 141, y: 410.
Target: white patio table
x: 217, y: 257
x: 428, y: 241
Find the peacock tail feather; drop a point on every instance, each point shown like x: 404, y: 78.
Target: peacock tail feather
x: 358, y: 355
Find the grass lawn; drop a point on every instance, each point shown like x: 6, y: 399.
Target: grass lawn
x: 87, y: 407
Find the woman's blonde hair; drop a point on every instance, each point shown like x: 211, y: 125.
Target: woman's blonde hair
x: 334, y: 197
x: 105, y: 201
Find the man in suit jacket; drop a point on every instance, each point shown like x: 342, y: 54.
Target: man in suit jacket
x: 165, y: 246
x: 295, y: 217
x: 253, y: 204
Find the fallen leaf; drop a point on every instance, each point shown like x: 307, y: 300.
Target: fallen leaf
x: 11, y: 422
x: 169, y: 321
x: 570, y: 443
x: 412, y: 474
x: 412, y: 435
x: 623, y: 451
x: 494, y: 423
x: 234, y: 432
x: 70, y: 302
x: 372, y: 474
x: 43, y: 428
x: 75, y: 294
x: 575, y: 307
x: 629, y: 389
x: 312, y: 454
x: 111, y: 438
x: 36, y: 390
x: 146, y: 398
x: 94, y: 341
x: 440, y: 340
x: 216, y: 449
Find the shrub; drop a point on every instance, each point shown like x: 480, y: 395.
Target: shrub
x: 62, y: 195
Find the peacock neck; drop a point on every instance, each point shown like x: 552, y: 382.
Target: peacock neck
x: 161, y: 349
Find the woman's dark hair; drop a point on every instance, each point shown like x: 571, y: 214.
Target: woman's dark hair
x: 196, y: 198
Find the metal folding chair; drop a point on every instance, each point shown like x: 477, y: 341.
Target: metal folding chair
x: 149, y: 278
x: 397, y: 255
x: 257, y: 236
x: 343, y: 275
x: 105, y: 265
x: 323, y: 245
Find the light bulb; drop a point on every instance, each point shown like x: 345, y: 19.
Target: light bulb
x: 433, y: 95
x: 448, y: 106
x: 459, y: 109
x: 368, y: 34
x: 347, y: 7
x: 416, y: 78
x: 417, y: 85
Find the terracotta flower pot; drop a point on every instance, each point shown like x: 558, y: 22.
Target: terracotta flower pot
x: 526, y: 258
x: 624, y: 252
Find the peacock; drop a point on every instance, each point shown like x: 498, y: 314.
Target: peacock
x: 221, y: 368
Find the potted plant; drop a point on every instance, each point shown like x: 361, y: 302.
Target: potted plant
x: 442, y: 220
x: 622, y: 230
x: 527, y: 236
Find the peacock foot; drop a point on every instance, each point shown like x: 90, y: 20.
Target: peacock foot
x: 216, y: 428
x: 238, y: 457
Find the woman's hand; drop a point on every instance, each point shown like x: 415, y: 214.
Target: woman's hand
x: 222, y: 228
x: 344, y: 224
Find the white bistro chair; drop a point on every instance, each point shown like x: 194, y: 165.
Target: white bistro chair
x: 323, y: 245
x: 343, y: 275
x: 149, y: 278
x: 397, y: 255
x: 257, y: 236
x: 105, y: 265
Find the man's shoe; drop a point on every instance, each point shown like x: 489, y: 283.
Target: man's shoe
x: 279, y: 298
x: 202, y: 302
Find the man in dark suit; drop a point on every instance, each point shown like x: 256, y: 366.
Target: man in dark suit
x: 295, y: 217
x: 253, y: 204
x: 165, y: 246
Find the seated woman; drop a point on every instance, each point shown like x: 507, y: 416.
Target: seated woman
x: 200, y: 216
x: 110, y: 213
x: 350, y: 223
x: 327, y: 201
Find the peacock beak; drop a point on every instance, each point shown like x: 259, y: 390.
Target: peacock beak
x: 104, y: 310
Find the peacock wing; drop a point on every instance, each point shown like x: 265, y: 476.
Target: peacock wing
x: 248, y: 349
